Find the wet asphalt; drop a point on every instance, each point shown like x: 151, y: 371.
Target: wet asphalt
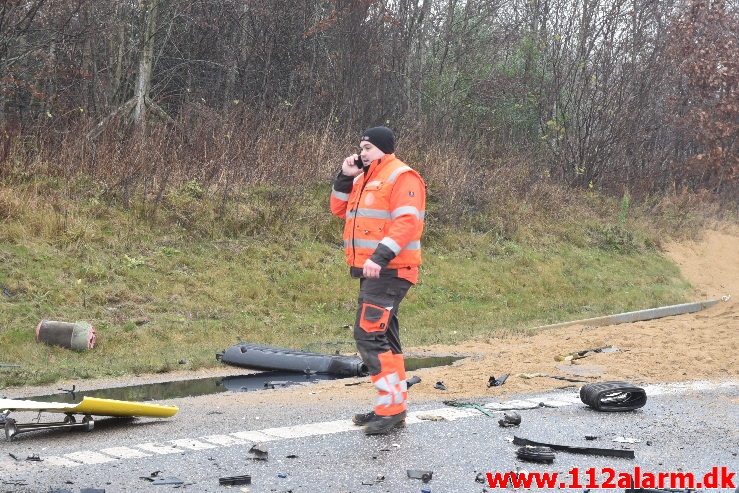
x: 690, y: 431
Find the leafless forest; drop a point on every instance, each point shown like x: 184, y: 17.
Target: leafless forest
x: 620, y: 95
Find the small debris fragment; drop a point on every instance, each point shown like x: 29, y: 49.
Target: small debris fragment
x: 480, y: 478
x: 182, y: 362
x: 510, y: 419
x: 591, y: 437
x: 291, y: 456
x: 440, y: 385
x: 167, y: 481
x: 275, y: 383
x: 34, y: 458
x: 497, y: 382
x: 431, y: 417
x: 424, y: 476
x: 235, y: 480
x: 6, y: 291
x: 281, y: 475
x: 259, y: 451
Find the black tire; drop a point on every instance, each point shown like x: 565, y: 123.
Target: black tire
x: 535, y: 454
x: 613, y: 396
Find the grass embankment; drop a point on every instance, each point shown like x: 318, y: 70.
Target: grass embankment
x: 267, y: 267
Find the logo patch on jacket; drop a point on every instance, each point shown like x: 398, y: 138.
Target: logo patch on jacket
x: 411, y: 194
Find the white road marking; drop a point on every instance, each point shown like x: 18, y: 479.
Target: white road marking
x: 80, y: 458
x: 254, y: 436
x: 52, y: 460
x: 124, y: 453
x: 159, y: 448
x: 224, y: 440
x: 192, y: 444
x: 88, y: 457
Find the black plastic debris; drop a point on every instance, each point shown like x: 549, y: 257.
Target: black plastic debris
x: 605, y: 452
x: 613, y: 396
x: 34, y: 458
x: 510, y: 419
x: 591, y: 437
x: 535, y: 454
x: 235, y: 480
x: 259, y: 451
x: 424, y: 476
x: 480, y: 478
x: 182, y: 362
x: 440, y: 385
x: 497, y: 382
x: 291, y: 456
x: 410, y: 382
x: 167, y: 481
x: 263, y: 357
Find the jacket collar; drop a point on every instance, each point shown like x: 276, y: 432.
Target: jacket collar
x: 378, y: 163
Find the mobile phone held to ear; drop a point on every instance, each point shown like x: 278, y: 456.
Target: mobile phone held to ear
x: 358, y: 163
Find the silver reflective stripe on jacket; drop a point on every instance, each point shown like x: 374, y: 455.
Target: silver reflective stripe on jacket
x: 407, y: 209
x: 340, y: 195
x: 398, y: 171
x: 373, y: 213
x: 390, y: 243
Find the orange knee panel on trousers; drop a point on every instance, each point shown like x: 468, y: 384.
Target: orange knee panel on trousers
x: 390, y: 396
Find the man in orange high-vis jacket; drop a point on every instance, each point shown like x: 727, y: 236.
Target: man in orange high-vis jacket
x: 383, y: 201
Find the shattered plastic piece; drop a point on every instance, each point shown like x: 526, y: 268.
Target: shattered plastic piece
x: 291, y: 456
x: 282, y: 475
x: 510, y: 419
x: 535, y: 454
x: 556, y: 377
x: 591, y: 437
x: 235, y: 480
x: 426, y: 490
x: 613, y: 396
x: 497, y: 382
x: 163, y: 481
x: 6, y: 291
x: 424, y: 476
x: 480, y: 478
x: 259, y: 450
x: 34, y: 458
x: 581, y: 354
x: 627, y: 454
x: 440, y: 385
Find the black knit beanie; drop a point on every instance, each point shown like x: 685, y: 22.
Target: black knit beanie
x: 381, y: 137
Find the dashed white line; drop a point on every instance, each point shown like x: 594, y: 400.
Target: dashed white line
x: 159, y: 448
x: 192, y: 444
x: 124, y: 453
x: 89, y: 457
x: 225, y: 440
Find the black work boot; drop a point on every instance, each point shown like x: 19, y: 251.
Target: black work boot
x: 383, y: 424
x: 362, y: 419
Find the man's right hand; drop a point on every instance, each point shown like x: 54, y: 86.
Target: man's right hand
x: 349, y: 168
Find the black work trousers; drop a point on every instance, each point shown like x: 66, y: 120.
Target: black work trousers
x: 376, y: 328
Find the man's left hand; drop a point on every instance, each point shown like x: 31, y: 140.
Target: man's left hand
x: 371, y: 270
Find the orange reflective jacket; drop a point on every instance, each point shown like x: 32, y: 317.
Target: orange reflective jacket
x: 371, y: 211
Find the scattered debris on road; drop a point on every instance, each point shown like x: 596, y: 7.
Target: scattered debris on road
x: 624, y: 453
x: 556, y: 377
x: 424, y: 476
x: 440, y: 385
x: 235, y: 480
x: 510, y: 419
x: 532, y: 453
x: 259, y: 451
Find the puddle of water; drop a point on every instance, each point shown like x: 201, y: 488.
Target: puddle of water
x: 205, y: 386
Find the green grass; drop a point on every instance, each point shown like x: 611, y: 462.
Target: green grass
x: 187, y: 282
